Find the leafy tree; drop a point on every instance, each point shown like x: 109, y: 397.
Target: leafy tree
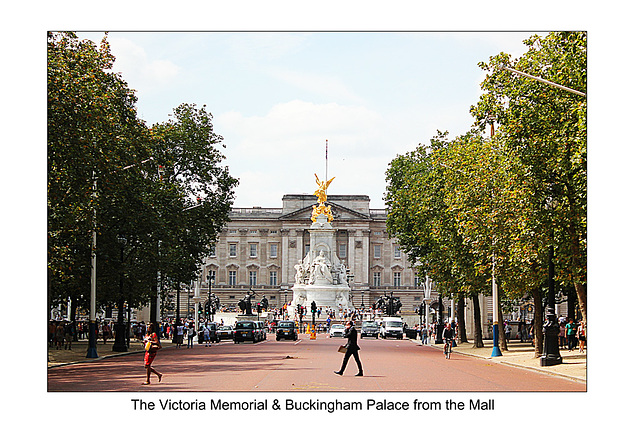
x: 92, y: 130
x: 476, y: 206
x: 145, y: 222
x: 545, y: 128
x: 422, y: 222
x: 195, y: 194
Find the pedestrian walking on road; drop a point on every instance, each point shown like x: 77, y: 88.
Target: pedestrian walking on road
x: 152, y: 345
x: 191, y: 332
x: 179, y: 334
x: 424, y: 334
x: 59, y: 337
x: 206, y: 336
x: 68, y: 335
x: 352, y: 349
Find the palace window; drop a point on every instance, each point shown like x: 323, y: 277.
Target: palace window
x: 253, y: 278
x: 232, y: 278
x: 376, y: 279
x: 342, y: 250
x: 273, y: 278
x: 397, y: 279
x: 396, y: 252
x: 233, y: 249
x: 273, y: 250
x: 377, y: 251
x: 253, y: 250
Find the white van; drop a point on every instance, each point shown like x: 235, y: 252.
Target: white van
x: 391, y: 327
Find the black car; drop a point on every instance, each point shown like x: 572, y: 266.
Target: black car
x: 369, y: 329
x: 247, y: 331
x: 286, y: 329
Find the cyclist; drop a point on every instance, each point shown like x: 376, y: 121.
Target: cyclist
x: 448, y: 336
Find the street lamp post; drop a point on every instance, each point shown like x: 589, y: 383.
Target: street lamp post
x: 208, y: 310
x: 92, y: 350
x: 494, y: 290
x: 440, y: 325
x: 550, y: 347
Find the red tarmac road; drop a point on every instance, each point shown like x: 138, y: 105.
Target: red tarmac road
x: 305, y: 365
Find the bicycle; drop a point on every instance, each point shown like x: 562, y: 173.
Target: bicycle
x: 448, y: 344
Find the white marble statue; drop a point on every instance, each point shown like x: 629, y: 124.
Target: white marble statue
x: 300, y: 270
x: 321, y: 269
x: 342, y: 274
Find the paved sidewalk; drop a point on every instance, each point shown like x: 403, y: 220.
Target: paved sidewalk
x: 521, y: 355
x: 78, y: 352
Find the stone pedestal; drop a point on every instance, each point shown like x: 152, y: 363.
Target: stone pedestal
x: 322, y: 277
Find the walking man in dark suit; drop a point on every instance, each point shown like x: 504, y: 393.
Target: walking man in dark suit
x: 352, y: 349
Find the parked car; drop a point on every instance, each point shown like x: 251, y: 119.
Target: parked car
x: 247, y: 331
x: 369, y: 329
x: 336, y: 330
x: 225, y: 332
x: 286, y: 329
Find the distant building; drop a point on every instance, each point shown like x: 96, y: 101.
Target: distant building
x: 259, y: 248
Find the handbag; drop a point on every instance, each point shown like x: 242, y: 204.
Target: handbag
x: 147, y: 346
x: 342, y: 349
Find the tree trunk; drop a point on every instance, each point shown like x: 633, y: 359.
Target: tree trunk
x: 462, y: 324
x: 502, y: 338
x: 477, y: 322
x: 537, y: 322
x: 72, y: 319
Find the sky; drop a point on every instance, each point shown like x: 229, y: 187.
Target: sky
x: 280, y: 99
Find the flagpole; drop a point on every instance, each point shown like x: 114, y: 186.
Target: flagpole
x: 326, y: 161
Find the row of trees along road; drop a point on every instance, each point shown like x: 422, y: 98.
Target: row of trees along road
x: 513, y: 201
x: 161, y: 193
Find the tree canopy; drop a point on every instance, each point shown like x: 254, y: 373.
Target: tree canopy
x: 456, y: 205
x: 158, y: 195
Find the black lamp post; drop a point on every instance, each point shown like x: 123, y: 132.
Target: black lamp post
x: 210, y: 277
x: 440, y: 325
x: 551, y: 328
x: 178, y: 322
x: 120, y: 343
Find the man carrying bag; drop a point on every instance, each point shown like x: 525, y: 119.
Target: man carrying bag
x: 351, y: 348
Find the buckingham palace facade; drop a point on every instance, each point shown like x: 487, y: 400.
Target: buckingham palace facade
x: 259, y: 248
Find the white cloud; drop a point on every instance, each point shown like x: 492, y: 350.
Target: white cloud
x: 316, y: 83
x: 279, y: 153
x: 139, y: 71
x: 253, y: 48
